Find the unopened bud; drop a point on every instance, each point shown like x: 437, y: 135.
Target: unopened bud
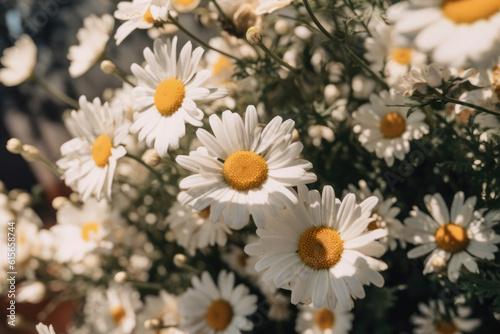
x: 74, y: 197
x: 108, y: 67
x: 120, y: 277
x: 151, y: 157
x: 281, y: 27
x: 24, y: 199
x: 59, y: 202
x: 170, y: 236
x: 254, y: 35
x: 295, y: 136
x: 180, y: 260
x: 14, y: 145
x: 152, y: 324
x: 30, y: 153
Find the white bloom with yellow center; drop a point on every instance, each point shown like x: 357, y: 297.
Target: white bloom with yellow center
x: 183, y: 6
x: 384, y: 128
x: 140, y: 14
x: 164, y: 308
x: 89, y: 160
x: 454, y: 237
x: 323, y: 321
x: 455, y: 33
x: 195, y: 230
x: 44, y: 329
x: 320, y: 249
x: 243, y: 169
x: 93, y: 38
x: 81, y: 230
x: 167, y: 93
x: 384, y: 55
x: 18, y: 62
x: 433, y: 319
x: 223, y: 308
x: 269, y: 6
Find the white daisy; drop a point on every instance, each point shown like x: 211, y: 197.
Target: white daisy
x: 384, y: 55
x: 167, y: 93
x: 44, y: 329
x: 242, y: 169
x: 455, y: 236
x: 433, y: 319
x: 18, y: 62
x: 486, y: 95
x: 195, y: 230
x: 269, y: 6
x: 164, y: 307
x: 81, y: 230
x: 384, y: 128
x: 140, y: 14
x: 418, y: 80
x: 112, y: 311
x: 449, y: 30
x: 89, y: 160
x: 319, y: 249
x: 323, y: 321
x: 222, y: 308
x: 93, y: 38
x: 384, y: 213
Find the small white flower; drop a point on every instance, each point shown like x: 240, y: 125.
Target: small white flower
x: 420, y: 79
x: 19, y: 62
x: 164, y: 307
x: 384, y: 128
x: 457, y: 236
x: 323, y: 321
x: 320, y: 250
x: 166, y: 96
x: 93, y: 38
x: 221, y: 308
x: 43, y: 329
x: 89, y: 160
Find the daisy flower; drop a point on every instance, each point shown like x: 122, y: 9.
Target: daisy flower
x: 222, y: 308
x: 384, y: 213
x: 242, y: 169
x: 44, y: 329
x: 81, y: 230
x: 93, y: 38
x: 323, y: 321
x: 89, y: 160
x: 387, y: 57
x: 167, y: 93
x: 455, y: 236
x: 164, y: 307
x: 433, y: 320
x: 195, y: 230
x: 449, y: 30
x: 486, y: 95
x: 384, y: 128
x: 320, y: 249
x: 140, y: 14
x: 18, y: 62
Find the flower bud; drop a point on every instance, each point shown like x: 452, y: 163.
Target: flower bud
x: 14, y: 146
x: 180, y: 260
x: 151, y: 157
x: 254, y: 35
x: 59, y: 202
x: 120, y: 277
x: 153, y: 324
x: 30, y: 153
x: 108, y: 67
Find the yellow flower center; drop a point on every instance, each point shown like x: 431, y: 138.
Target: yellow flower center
x: 324, y: 318
x: 402, y: 56
x: 469, y: 11
x: 245, y: 170
x: 392, y: 125
x: 22, y: 238
x: 444, y: 327
x: 87, y: 228
x: 204, y: 213
x: 117, y: 314
x: 223, y: 65
x: 148, y: 17
x: 184, y: 2
x: 320, y: 247
x: 169, y: 96
x: 219, y: 315
x: 452, y: 238
x: 101, y: 150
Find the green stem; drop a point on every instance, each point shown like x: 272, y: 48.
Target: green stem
x: 343, y: 46
x: 276, y: 58
x: 151, y: 169
x: 470, y: 105
x: 199, y: 41
x: 56, y: 92
x: 224, y: 16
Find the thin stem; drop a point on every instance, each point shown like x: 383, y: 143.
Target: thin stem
x: 224, y: 16
x: 343, y: 46
x: 56, y: 92
x: 151, y: 169
x: 276, y: 58
x: 187, y: 32
x: 470, y: 105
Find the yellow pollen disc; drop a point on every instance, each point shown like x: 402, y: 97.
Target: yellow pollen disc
x: 452, y: 238
x: 22, y: 238
x: 223, y: 65
x: 101, y: 150
x: 392, y: 125
x: 245, y: 170
x: 87, y: 228
x: 117, y: 314
x: 219, y: 315
x: 204, y: 213
x: 402, y: 56
x: 320, y: 247
x: 184, y: 2
x: 148, y: 17
x: 444, y: 327
x: 169, y: 96
x: 469, y: 11
x: 324, y: 318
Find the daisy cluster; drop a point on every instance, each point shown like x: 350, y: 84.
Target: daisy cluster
x: 286, y: 175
